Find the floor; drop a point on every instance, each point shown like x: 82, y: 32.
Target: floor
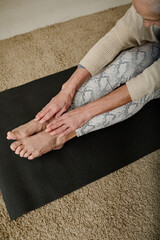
x: 17, y: 16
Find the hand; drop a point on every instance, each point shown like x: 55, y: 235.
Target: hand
x: 58, y: 105
x: 68, y: 122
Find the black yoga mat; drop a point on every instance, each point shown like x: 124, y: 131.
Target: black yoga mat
x: 29, y: 184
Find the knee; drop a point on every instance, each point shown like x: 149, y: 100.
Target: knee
x: 156, y: 93
x: 128, y: 57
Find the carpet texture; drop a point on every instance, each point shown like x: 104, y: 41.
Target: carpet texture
x: 122, y: 205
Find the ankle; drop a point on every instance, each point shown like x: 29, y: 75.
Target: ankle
x: 71, y: 135
x: 68, y: 137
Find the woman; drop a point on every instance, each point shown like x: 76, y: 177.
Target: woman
x: 103, y: 90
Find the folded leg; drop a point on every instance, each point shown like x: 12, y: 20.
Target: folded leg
x: 126, y: 65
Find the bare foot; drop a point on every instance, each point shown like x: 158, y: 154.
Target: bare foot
x: 39, y: 144
x: 27, y: 129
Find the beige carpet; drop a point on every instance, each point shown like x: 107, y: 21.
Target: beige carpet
x: 123, y: 205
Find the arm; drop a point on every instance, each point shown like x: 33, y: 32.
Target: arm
x: 146, y: 82
x: 77, y: 117
x: 128, y: 32
x: 113, y: 100
x: 99, y: 55
x: 76, y: 80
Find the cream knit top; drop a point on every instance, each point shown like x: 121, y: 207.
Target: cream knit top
x: 128, y: 32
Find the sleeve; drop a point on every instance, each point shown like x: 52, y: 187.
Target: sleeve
x: 145, y: 83
x: 129, y: 31
x: 79, y: 65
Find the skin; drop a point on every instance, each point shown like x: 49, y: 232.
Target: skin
x: 53, y: 126
x: 36, y: 145
x: 144, y: 9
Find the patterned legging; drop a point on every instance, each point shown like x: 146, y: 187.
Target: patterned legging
x: 126, y: 65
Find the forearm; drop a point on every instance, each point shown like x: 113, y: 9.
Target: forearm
x: 76, y: 80
x: 113, y: 100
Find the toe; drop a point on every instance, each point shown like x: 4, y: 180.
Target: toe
x: 18, y: 149
x: 14, y: 145
x: 27, y: 154
x: 22, y: 152
x: 30, y: 157
x: 12, y: 135
x: 8, y: 136
x: 34, y: 154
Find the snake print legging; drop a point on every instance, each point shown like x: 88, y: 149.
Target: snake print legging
x: 126, y: 65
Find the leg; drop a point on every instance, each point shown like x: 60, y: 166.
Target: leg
x: 111, y: 77
x: 128, y: 64
x: 101, y: 84
x: 116, y: 115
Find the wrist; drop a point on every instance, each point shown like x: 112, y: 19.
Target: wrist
x: 90, y: 110
x: 70, y: 90
x: 76, y: 80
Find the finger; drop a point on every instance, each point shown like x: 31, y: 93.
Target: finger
x: 47, y: 116
x: 60, y: 112
x: 59, y: 130
x: 43, y: 109
x: 55, y: 121
x: 52, y: 123
x: 41, y: 114
x: 65, y: 132
x: 54, y: 126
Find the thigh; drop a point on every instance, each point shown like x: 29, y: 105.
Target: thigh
x: 126, y: 65
x: 132, y: 62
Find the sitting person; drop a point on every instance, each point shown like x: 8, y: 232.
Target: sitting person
x: 114, y: 80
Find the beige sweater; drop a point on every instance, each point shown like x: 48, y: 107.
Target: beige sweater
x: 129, y: 31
